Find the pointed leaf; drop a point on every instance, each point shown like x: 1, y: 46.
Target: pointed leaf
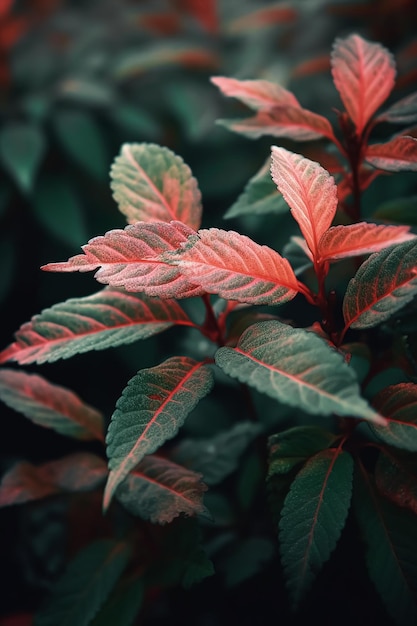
x: 396, y: 479
x: 159, y: 490
x: 122, y: 605
x: 364, y: 75
x: 313, y: 517
x: 383, y: 284
x: 50, y: 406
x: 154, y: 405
x: 80, y: 592
x: 391, y: 536
x: 256, y: 94
x: 24, y: 482
x: 394, y: 156
x: 152, y: 184
x: 310, y: 192
x: 291, y: 447
x: 236, y: 268
x: 340, y: 242
x: 129, y: 258
x: 292, y: 122
x: 403, y: 111
x: 398, y: 403
x: 296, y: 367
x: 108, y: 318
x: 22, y: 147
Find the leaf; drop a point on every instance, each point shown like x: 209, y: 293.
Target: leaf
x: 159, y: 490
x: 247, y: 559
x: 390, y: 535
x: 235, y: 267
x: 129, y: 258
x: 364, y: 75
x: 296, y: 367
x: 292, y: 122
x: 403, y: 111
x: 256, y: 94
x: 400, y: 211
x: 80, y: 592
x: 261, y: 18
x: 152, y: 408
x: 216, y: 457
x: 259, y: 197
x: 151, y: 183
x: 50, y: 406
x: 24, y: 482
x: 122, y: 605
x: 82, y: 139
x: 313, y: 517
x: 396, y: 479
x: 294, y: 446
x: 398, y: 403
x: 22, y: 147
x: 106, y: 319
x: 396, y: 155
x: 310, y: 192
x: 340, y: 242
x: 384, y: 283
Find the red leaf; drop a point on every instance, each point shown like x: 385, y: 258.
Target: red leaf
x: 261, y: 18
x: 364, y: 75
x: 129, y: 258
x: 345, y: 241
x: 310, y: 192
x: 236, y: 268
x: 292, y: 122
x: 398, y: 154
x: 204, y: 11
x: 257, y: 94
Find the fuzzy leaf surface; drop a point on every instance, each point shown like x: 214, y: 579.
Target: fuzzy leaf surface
x: 398, y: 403
x: 150, y: 183
x: 403, y: 111
x: 159, y: 490
x: 295, y: 445
x: 364, y: 75
x: 129, y: 258
x: 236, y: 268
x: 152, y: 408
x: 396, y: 479
x: 296, y: 367
x: 310, y: 192
x: 106, y: 319
x: 340, y: 242
x: 24, y: 482
x: 256, y: 94
x: 49, y: 405
x: 313, y: 517
x: 396, y: 155
x: 391, y: 535
x: 384, y: 283
x: 83, y: 588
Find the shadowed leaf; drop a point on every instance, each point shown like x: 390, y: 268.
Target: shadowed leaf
x: 256, y: 94
x: 394, y: 156
x: 400, y: 211
x: 153, y: 407
x: 294, y: 446
x: 50, y: 406
x: 396, y: 479
x: 122, y: 605
x: 22, y: 147
x: 403, y: 111
x: 398, y: 403
x: 150, y: 183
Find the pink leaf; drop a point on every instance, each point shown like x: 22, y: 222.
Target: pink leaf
x: 257, y: 94
x: 364, y: 75
x: 129, y: 258
x: 403, y: 111
x: 292, y: 122
x: 310, y: 192
x: 394, y: 156
x: 345, y: 241
x: 236, y: 268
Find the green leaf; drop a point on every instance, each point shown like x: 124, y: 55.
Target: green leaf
x: 24, y: 482
x: 83, y: 141
x: 259, y: 197
x: 22, y: 147
x: 57, y: 207
x: 398, y: 403
x: 122, y: 606
x: 384, y: 283
x: 296, y: 367
x: 391, y: 537
x: 159, y: 490
x: 50, y: 406
x: 294, y: 446
x: 313, y: 517
x: 396, y: 478
x: 151, y: 183
x: 247, y: 559
x: 83, y: 588
x: 400, y: 211
x: 153, y: 407
x: 216, y: 457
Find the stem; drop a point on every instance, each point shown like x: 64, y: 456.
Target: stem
x: 211, y: 328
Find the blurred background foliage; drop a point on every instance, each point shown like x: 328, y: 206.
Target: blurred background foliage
x: 77, y: 79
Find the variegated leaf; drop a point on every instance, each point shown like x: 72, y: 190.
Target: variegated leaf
x: 394, y: 156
